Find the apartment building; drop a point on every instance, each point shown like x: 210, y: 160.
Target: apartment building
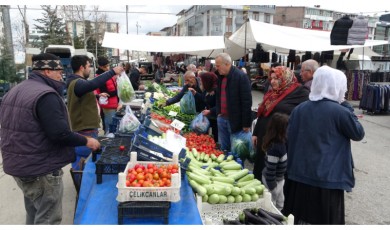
x: 217, y: 20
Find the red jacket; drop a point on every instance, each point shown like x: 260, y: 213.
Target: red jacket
x: 111, y: 89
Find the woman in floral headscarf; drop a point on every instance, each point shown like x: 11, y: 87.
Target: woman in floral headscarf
x: 284, y: 95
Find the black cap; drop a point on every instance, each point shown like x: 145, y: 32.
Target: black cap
x: 102, y: 61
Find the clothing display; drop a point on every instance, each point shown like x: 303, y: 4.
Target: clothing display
x: 375, y: 98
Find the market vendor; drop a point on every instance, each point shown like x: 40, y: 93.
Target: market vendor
x: 191, y: 84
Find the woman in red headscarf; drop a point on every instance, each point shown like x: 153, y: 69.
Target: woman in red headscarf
x: 284, y: 95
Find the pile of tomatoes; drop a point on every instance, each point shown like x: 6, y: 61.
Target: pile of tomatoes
x: 151, y: 175
x: 160, y: 118
x: 202, y: 143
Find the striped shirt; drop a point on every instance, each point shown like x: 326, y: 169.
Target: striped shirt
x: 275, y: 164
x: 224, y: 111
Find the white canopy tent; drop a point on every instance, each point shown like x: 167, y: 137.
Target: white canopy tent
x: 204, y: 46
x: 283, y: 38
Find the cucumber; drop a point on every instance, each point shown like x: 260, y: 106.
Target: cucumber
x: 202, y: 156
x: 209, y: 161
x: 259, y: 189
x: 227, y: 163
x: 195, y: 152
x: 201, y: 175
x: 198, y: 179
x: 213, y: 199
x: 206, y: 158
x: 199, y: 169
x: 238, y: 199
x: 252, y: 184
x: 248, y: 177
x: 246, y: 198
x: 218, y: 183
x: 230, y: 199
x: 222, y: 199
x: 229, y: 158
x: 243, y: 183
x: 223, y: 179
x: 213, y: 157
x: 198, y: 188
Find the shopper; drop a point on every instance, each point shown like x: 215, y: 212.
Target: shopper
x: 320, y: 164
x: 191, y: 84
x: 82, y: 103
x: 135, y: 77
x: 234, y: 100
x: 274, y: 145
x: 307, y: 71
x: 36, y: 139
x: 284, y: 95
x: 108, y: 95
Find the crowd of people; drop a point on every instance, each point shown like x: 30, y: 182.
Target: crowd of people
x: 301, y: 129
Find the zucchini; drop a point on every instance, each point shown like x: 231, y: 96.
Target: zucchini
x: 218, y: 189
x: 230, y: 199
x: 229, y: 158
x: 213, y: 157
x: 195, y: 152
x: 202, y: 156
x: 248, y: 177
x: 206, y: 158
x: 198, y: 179
x: 246, y: 198
x: 240, y: 174
x: 222, y: 199
x: 254, y: 197
x: 198, y: 188
x: 218, y: 183
x: 220, y: 158
x: 259, y: 189
x: 213, y: 199
x: 223, y: 179
x: 249, y: 190
x: 235, y: 166
x: 243, y: 183
x: 236, y: 191
x: 216, y: 172
x: 237, y: 199
x: 205, y: 198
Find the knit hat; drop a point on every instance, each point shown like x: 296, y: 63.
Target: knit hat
x: 46, y: 61
x: 102, y: 61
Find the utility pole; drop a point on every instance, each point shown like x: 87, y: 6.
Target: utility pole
x: 127, y: 30
x: 137, y: 25
x: 8, y: 39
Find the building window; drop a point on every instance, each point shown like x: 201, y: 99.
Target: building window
x: 229, y: 13
x: 255, y: 16
x: 217, y: 27
x: 267, y: 18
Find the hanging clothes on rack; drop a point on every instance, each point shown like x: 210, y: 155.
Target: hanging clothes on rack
x: 375, y: 98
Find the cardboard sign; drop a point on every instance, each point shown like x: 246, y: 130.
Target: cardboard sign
x: 172, y: 113
x: 177, y: 124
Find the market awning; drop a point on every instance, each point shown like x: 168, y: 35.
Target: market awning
x: 278, y: 37
x: 169, y: 44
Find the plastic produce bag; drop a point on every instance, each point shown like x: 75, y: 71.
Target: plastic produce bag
x: 200, y: 124
x: 129, y: 123
x: 242, y: 146
x: 187, y: 103
x: 125, y: 90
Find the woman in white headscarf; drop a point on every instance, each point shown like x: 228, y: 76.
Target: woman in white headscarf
x: 320, y: 165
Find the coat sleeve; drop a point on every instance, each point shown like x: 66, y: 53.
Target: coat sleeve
x: 351, y: 127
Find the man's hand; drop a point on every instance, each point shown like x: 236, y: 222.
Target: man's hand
x: 246, y: 129
x: 118, y: 69
x: 254, y: 141
x: 92, y: 143
x: 192, y: 91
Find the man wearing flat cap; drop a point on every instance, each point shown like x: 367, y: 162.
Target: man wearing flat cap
x: 37, y: 141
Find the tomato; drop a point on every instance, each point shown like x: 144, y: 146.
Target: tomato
x: 151, y: 170
x: 122, y: 147
x: 140, y: 176
x: 150, y: 166
x: 139, y: 170
x: 149, y: 176
x: 168, y: 183
x: 174, y: 171
x: 132, y: 177
x: 128, y: 183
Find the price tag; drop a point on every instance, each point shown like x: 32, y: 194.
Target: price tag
x: 177, y: 124
x: 172, y: 113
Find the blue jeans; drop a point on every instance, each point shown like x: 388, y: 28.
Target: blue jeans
x: 224, y: 133
x: 108, y: 114
x: 43, y: 197
x: 83, y: 151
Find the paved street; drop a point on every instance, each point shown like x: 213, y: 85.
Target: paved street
x: 369, y: 203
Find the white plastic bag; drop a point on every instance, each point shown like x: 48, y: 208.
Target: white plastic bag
x: 126, y: 91
x: 129, y: 123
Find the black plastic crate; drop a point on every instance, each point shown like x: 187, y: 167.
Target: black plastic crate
x: 144, y: 209
x: 112, y: 159
x: 106, y: 141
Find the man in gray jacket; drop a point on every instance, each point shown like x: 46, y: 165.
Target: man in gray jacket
x: 37, y: 141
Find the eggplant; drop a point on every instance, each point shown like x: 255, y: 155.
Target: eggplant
x: 262, y: 213
x: 250, y: 218
x: 276, y: 216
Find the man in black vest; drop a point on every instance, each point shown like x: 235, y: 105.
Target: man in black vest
x: 37, y: 141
